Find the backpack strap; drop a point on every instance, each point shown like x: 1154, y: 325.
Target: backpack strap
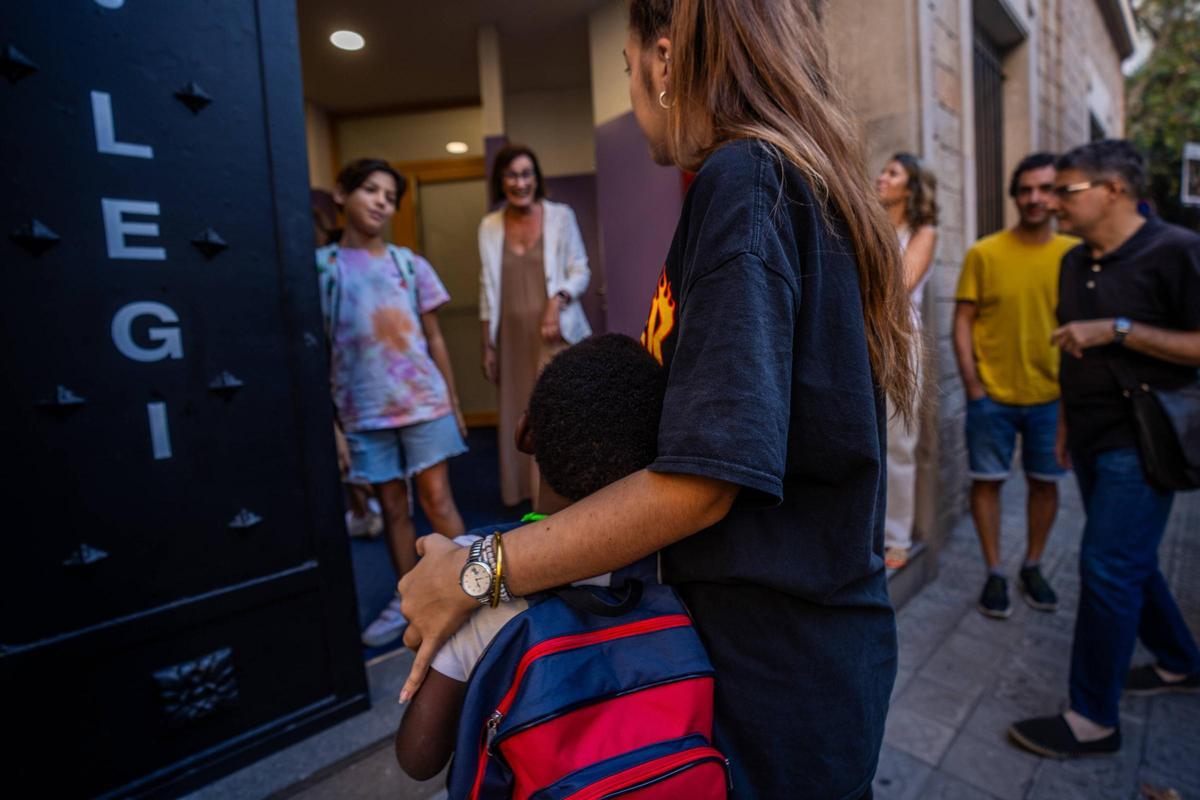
x: 582, y: 598
x: 328, y: 273
x: 406, y: 271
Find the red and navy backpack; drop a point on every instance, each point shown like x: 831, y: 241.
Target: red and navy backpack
x: 591, y: 693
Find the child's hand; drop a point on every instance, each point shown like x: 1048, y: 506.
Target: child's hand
x: 433, y: 602
x: 343, y: 451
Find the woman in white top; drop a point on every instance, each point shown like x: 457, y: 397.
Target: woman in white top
x: 534, y: 271
x: 907, y: 190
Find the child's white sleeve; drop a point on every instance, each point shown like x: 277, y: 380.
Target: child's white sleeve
x: 458, y: 656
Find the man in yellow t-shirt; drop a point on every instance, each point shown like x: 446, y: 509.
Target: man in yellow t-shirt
x: 1003, y: 317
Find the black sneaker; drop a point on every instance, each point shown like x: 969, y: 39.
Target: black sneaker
x: 1144, y: 680
x: 994, y: 600
x: 1052, y: 737
x: 1037, y: 591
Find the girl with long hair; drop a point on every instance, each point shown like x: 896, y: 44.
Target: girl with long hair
x: 781, y: 321
x: 907, y: 190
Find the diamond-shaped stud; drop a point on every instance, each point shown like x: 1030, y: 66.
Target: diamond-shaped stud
x: 192, y: 96
x: 245, y: 519
x: 226, y: 384
x: 84, y: 556
x: 15, y: 65
x: 310, y: 339
x: 35, y: 237
x: 209, y: 242
x: 63, y: 399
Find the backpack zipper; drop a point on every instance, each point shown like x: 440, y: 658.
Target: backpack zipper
x: 645, y: 774
x: 562, y: 644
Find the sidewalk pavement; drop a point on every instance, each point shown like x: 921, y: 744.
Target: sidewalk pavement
x: 964, y: 678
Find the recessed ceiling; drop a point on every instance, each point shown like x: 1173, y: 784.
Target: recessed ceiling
x: 424, y: 52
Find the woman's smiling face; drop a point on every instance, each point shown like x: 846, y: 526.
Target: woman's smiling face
x: 520, y: 182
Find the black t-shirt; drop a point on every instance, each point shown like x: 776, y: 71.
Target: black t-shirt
x: 1154, y: 278
x: 758, y: 320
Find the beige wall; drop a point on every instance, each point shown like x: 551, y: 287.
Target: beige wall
x: 1081, y: 72
x: 319, y: 136
x: 607, y: 31
x: 557, y: 124
x: 417, y: 136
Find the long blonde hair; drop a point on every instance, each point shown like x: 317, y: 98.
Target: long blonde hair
x: 758, y: 69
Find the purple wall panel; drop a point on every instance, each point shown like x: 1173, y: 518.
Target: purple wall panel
x: 491, y: 146
x: 579, y: 192
x: 638, y: 204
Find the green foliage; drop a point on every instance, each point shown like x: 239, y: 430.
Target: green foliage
x: 1163, y: 99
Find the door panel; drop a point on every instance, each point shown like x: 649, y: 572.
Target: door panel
x: 450, y: 212
x: 174, y: 493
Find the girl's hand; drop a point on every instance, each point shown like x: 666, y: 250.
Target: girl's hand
x: 550, y: 331
x: 433, y: 602
x: 489, y: 365
x: 343, y: 451
x: 462, y: 422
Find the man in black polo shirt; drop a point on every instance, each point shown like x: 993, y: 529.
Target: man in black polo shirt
x: 1130, y: 294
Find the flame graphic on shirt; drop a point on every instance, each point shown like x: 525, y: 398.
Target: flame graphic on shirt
x: 661, y: 321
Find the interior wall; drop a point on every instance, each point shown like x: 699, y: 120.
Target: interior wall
x: 607, y: 29
x: 319, y: 137
x: 416, y: 136
x: 557, y: 124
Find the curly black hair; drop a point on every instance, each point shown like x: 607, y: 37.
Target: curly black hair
x: 593, y: 414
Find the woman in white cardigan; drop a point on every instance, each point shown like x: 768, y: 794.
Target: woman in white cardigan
x: 534, y: 271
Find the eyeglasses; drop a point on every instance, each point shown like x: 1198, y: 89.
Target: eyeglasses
x: 1073, y: 188
x: 524, y: 175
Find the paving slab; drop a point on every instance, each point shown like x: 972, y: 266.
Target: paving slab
x: 967, y: 678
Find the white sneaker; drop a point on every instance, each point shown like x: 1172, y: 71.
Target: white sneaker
x: 387, y: 627
x: 367, y: 525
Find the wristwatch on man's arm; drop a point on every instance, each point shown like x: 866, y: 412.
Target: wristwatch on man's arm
x: 1121, y: 328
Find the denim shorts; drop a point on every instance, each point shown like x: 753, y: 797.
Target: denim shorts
x: 391, y: 453
x: 992, y: 430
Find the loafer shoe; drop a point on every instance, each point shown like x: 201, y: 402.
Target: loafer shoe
x: 1145, y: 680
x: 1036, y: 591
x: 1052, y: 737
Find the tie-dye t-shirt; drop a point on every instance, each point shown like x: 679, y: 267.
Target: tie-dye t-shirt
x: 381, y: 370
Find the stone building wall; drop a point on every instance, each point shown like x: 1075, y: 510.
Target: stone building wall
x: 908, y: 73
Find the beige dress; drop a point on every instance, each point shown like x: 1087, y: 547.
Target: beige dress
x: 521, y: 354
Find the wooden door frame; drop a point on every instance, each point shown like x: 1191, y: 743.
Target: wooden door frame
x: 406, y: 229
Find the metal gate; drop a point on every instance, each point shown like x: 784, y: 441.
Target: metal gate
x: 989, y: 135
x: 175, y: 586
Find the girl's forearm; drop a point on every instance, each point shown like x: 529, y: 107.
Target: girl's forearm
x: 623, y: 522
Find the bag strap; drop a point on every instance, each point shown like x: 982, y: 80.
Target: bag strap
x: 414, y: 290
x: 581, y: 598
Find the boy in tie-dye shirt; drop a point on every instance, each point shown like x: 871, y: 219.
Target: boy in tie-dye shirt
x: 393, y: 388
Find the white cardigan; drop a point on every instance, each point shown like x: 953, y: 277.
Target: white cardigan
x: 564, y: 259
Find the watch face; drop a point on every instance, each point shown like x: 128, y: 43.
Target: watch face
x: 476, y: 579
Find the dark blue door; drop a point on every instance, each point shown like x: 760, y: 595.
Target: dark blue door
x: 175, y: 589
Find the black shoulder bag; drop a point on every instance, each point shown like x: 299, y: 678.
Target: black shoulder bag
x: 1167, y: 425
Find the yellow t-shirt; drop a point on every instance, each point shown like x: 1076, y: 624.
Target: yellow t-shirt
x: 1014, y: 285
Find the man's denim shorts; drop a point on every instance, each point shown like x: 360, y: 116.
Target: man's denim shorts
x: 385, y: 455
x: 992, y: 430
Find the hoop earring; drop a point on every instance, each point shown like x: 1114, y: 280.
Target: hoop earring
x: 661, y: 96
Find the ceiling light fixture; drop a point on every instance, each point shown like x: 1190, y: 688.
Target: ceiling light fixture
x: 347, y: 40
x: 457, y: 148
